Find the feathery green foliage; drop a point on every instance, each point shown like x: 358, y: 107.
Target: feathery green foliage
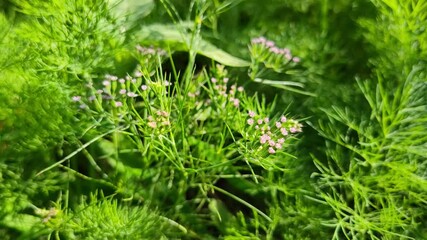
x: 126, y: 119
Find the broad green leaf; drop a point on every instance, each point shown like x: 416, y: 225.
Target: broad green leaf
x: 132, y: 10
x: 286, y: 85
x: 209, y: 50
x: 178, y: 38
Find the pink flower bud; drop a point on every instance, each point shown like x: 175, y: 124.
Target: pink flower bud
x: 284, y: 131
x: 283, y: 119
x: 251, y: 114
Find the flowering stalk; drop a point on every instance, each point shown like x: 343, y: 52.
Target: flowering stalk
x: 266, y: 55
x: 269, y: 135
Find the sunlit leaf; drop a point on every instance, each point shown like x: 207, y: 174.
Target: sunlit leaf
x: 178, y: 38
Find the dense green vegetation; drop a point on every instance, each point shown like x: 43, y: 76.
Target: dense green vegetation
x: 213, y: 119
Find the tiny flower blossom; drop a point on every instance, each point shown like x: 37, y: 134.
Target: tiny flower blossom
x: 122, y: 81
x: 165, y: 114
x: 91, y: 98
x: 152, y: 124
x: 281, y: 141
x: 296, y: 59
x: 263, y: 139
x: 167, y: 83
x: 99, y: 91
x: 278, y: 146
x: 236, y: 102
x: 275, y: 50
x: 162, y: 113
x: 259, y: 121
x: 111, y: 77
x: 271, y: 150
x: 278, y: 124
x: 259, y: 40
x: 214, y: 80
x: 144, y: 87
x: 133, y: 80
x: 140, y: 48
x: 240, y: 89
x: 162, y: 52
x: 151, y: 51
x: 251, y: 114
x: 118, y: 104
x: 83, y: 106
x: 266, y: 120
x: 293, y: 130
x: 250, y: 121
x: 271, y: 143
x: 76, y: 98
x: 283, y: 119
x: 284, y: 131
x: 269, y: 44
x: 122, y: 91
x: 138, y: 74
x: 105, y: 82
x: 132, y: 94
x: 225, y: 80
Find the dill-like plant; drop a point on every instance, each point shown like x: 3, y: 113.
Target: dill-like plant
x: 373, y: 178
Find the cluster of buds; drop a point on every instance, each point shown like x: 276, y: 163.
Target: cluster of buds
x: 267, y: 53
x: 116, y: 93
x: 47, y: 214
x: 150, y: 50
x: 271, y: 47
x: 229, y: 93
x: 113, y: 89
x: 272, y: 134
x: 160, y: 119
x: 150, y: 58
